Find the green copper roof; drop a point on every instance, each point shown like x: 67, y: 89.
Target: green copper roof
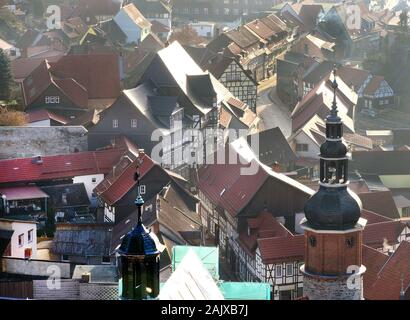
x: 209, y: 256
x: 245, y: 290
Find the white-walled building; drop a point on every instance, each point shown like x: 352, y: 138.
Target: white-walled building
x: 132, y: 23
x: 23, y: 237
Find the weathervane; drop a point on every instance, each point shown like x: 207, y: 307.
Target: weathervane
x: 139, y: 201
x: 334, y: 86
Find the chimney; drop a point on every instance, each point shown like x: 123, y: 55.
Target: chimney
x: 37, y: 160
x: 85, y: 277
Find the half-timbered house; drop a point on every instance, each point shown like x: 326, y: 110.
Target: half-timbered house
x: 231, y: 196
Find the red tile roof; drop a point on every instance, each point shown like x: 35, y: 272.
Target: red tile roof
x: 381, y: 202
x: 98, y: 73
x: 224, y: 184
x: 373, y: 217
x: 373, y: 260
x: 260, y: 29
x: 227, y: 186
x: 281, y: 249
x: 374, y: 234
x: 387, y: 283
x: 373, y: 85
x: 44, y: 114
x: 121, y: 178
x: 263, y: 226
x: 61, y: 166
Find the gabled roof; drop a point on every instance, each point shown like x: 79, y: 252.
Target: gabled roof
x: 149, y: 7
x: 62, y: 166
x: 152, y: 43
x: 175, y: 211
x: 389, y: 277
x: 158, y: 27
x: 100, y: 7
x: 120, y: 179
x: 273, y: 146
x: 373, y: 85
x: 80, y: 77
x: 136, y: 16
x: 281, y: 249
x: 243, y: 37
x: 263, y: 226
x: 380, y: 202
x: 309, y: 13
x: 260, y: 29
x: 91, y: 70
x: 227, y: 186
x: 319, y: 102
x: 375, y: 234
x: 23, y: 67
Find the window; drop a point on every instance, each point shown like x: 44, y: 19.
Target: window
x: 115, y: 123
x: 405, y: 212
x: 93, y: 180
x: 142, y: 189
x: 302, y: 147
x: 289, y: 269
x: 133, y: 123
x: 278, y: 272
x: 64, y: 198
x: 30, y: 235
x: 306, y: 49
x: 65, y: 257
x: 226, y: 11
x: 105, y: 260
x: 52, y: 99
x: 21, y: 240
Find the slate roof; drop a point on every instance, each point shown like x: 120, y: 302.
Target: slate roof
x: 82, y: 239
x: 309, y: 15
x: 273, y: 146
x: 381, y: 162
x: 175, y: 211
x: 148, y: 7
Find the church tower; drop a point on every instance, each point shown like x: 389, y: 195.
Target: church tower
x: 333, y: 267
x: 138, y: 260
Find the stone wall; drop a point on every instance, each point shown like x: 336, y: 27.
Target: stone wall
x: 20, y: 142
x: 331, y: 288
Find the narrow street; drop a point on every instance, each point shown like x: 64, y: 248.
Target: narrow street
x: 271, y: 110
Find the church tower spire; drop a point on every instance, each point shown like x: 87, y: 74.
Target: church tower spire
x: 138, y: 261
x: 333, y: 227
